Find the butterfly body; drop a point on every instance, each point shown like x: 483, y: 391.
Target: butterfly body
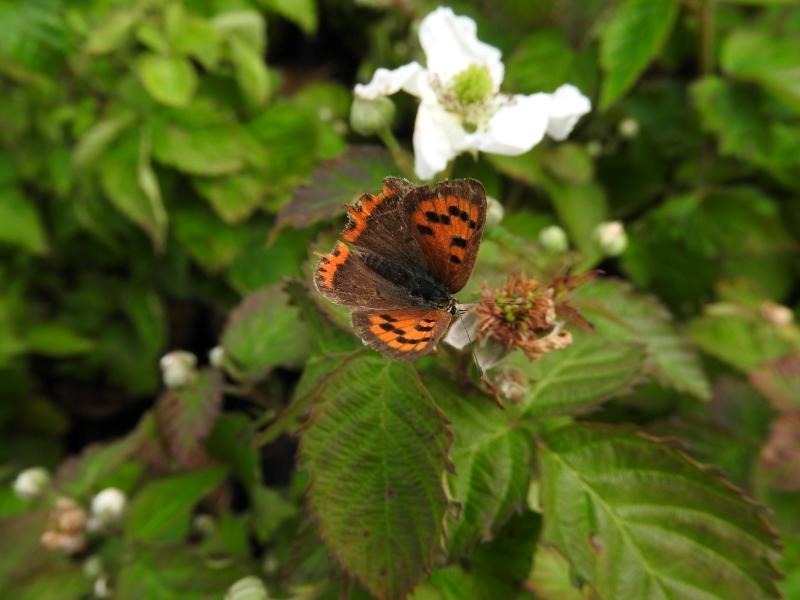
x: 413, y: 247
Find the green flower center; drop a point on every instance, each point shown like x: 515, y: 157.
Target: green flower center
x: 472, y: 85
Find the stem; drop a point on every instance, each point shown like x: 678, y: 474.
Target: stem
x: 401, y: 158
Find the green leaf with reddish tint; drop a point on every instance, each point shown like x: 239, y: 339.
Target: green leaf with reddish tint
x: 637, y: 518
x: 265, y: 332
x: 335, y: 182
x: 187, y: 415
x: 375, y: 449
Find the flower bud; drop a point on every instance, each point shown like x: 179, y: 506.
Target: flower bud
x: 629, y: 128
x: 368, y: 117
x: 553, y: 239
x: 216, y: 357
x: 101, y: 588
x: 777, y: 314
x: 494, y: 212
x: 594, y: 148
x: 108, y: 506
x: 31, y: 483
x: 247, y: 588
x: 93, y: 566
x: 178, y: 368
x: 611, y: 237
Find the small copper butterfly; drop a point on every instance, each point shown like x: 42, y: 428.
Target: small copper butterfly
x: 413, y: 247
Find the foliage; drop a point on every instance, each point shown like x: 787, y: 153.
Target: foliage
x: 168, y: 171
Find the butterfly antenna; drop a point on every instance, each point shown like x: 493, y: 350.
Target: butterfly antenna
x: 489, y: 385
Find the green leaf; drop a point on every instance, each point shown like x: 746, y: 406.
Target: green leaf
x: 491, y: 456
x: 301, y: 12
x: 112, y: 33
x: 270, y: 510
x: 770, y: 60
x: 169, y: 80
x: 580, y: 377
x: 97, y: 138
x: 749, y: 127
x: 633, y: 37
x: 247, y: 25
x: 19, y: 221
x: 193, y: 36
x: 524, y: 72
x: 550, y: 578
x: 619, y: 313
x: 639, y: 519
x: 263, y: 332
x: 745, y: 342
x: 199, y: 149
x: 261, y: 264
x: 580, y: 207
x: 162, y: 511
x: 229, y: 442
x: 335, y: 182
x: 235, y: 197
x: 456, y: 583
x: 375, y: 450
x: 208, y: 241
x: 509, y: 555
x: 55, y: 339
x: 122, y: 173
x: 187, y: 415
x: 779, y: 382
x: 251, y: 72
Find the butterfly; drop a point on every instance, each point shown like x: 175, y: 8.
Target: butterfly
x: 407, y: 251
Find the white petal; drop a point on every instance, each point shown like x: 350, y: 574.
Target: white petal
x: 517, y: 126
x: 462, y: 331
x: 451, y: 45
x: 567, y: 106
x: 411, y: 78
x: 438, y: 137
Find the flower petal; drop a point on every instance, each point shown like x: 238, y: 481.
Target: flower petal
x: 517, y: 126
x: 438, y: 137
x: 411, y: 78
x: 451, y: 45
x: 567, y: 106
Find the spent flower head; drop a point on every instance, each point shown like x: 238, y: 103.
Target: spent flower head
x: 461, y: 106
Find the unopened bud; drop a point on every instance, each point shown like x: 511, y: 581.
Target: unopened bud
x: 178, y: 368
x: 553, y: 239
x: 777, y: 314
x: 611, y: 237
x: 368, y: 117
x: 494, y: 212
x: 31, y: 483
x: 594, y: 148
x: 247, y: 588
x: 108, y: 506
x: 216, y: 357
x: 629, y: 128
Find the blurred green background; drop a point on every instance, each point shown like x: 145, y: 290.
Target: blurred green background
x: 162, y: 160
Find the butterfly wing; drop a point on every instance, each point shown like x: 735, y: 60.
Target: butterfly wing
x: 404, y: 334
x: 447, y: 221
x: 377, y: 224
x: 343, y: 277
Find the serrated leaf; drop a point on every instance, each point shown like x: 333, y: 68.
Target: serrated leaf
x: 633, y: 37
x: 187, y: 415
x: 264, y: 332
x: 375, y: 449
x: 20, y: 223
x: 762, y: 57
x: 335, y: 182
x: 550, y: 578
x: 170, y: 80
x: 162, y: 510
x: 621, y: 314
x: 638, y: 519
x: 580, y: 377
x: 491, y: 456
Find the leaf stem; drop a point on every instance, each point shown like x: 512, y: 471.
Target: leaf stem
x: 401, y: 157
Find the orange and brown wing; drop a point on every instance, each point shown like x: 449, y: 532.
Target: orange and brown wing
x: 378, y: 224
x: 343, y: 277
x: 402, y: 334
x: 447, y: 221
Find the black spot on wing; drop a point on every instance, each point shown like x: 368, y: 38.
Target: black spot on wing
x: 424, y: 230
x: 458, y: 241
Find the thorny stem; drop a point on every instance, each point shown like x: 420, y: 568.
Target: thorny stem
x: 400, y: 156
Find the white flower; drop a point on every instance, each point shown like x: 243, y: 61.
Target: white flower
x: 461, y: 107
x: 178, y: 368
x: 611, y: 237
x: 247, y: 588
x: 30, y: 483
x: 108, y: 506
